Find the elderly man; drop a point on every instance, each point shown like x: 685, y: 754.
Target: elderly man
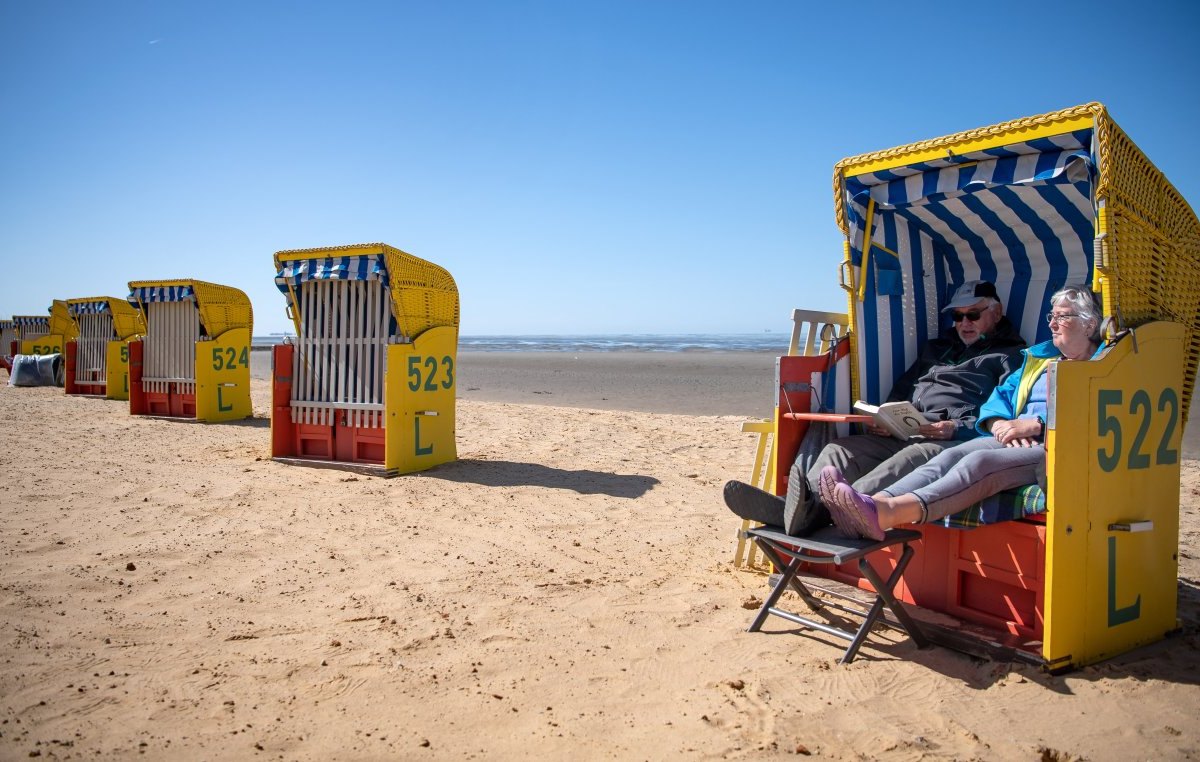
x: 949, y: 381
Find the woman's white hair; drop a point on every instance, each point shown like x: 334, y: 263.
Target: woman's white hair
x: 1083, y: 303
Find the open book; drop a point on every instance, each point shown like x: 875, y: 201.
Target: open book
x: 900, y: 418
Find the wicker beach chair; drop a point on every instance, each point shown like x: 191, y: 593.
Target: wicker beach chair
x: 194, y: 361
x: 97, y: 359
x: 360, y: 311
x: 1087, y: 567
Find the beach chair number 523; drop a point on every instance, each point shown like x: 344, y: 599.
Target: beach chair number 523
x: 1140, y: 405
x: 417, y: 382
x: 227, y: 358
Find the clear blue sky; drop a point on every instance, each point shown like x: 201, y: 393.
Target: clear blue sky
x: 579, y: 166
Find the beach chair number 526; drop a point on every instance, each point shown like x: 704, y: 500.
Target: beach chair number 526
x: 1139, y: 405
x: 226, y: 358
x: 428, y: 382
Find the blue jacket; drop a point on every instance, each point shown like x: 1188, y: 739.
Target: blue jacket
x: 1007, y: 399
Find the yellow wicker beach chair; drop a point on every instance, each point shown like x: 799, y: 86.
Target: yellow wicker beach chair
x: 194, y: 361
x: 1087, y: 569
x: 369, y: 381
x: 97, y: 359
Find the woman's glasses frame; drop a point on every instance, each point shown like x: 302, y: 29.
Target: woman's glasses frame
x: 1062, y: 319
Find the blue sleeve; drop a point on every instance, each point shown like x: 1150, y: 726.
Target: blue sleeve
x: 1000, y: 403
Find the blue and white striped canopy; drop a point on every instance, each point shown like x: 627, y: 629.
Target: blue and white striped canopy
x: 32, y: 321
x: 87, y: 308
x: 1022, y: 216
x: 147, y: 294
x: 7, y: 325
x: 365, y: 267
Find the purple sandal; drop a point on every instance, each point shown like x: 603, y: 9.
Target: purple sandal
x: 829, y: 478
x: 854, y: 513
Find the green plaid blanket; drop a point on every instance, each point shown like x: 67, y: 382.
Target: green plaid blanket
x: 1005, y: 506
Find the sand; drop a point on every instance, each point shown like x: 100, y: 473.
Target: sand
x: 564, y: 589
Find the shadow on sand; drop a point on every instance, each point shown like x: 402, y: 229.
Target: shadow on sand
x: 1174, y: 659
x: 505, y: 473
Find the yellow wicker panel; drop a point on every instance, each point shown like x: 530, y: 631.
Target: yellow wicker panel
x: 222, y: 308
x: 61, y: 322
x: 424, y: 295
x: 1150, y: 267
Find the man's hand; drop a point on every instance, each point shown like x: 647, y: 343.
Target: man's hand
x: 877, y: 430
x: 939, y: 429
x: 1023, y: 432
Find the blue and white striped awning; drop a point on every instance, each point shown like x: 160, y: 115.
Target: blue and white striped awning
x: 1022, y: 216
x: 364, y: 267
x: 7, y: 325
x: 87, y: 308
x: 32, y: 321
x: 147, y: 294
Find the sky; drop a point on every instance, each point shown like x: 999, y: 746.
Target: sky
x: 578, y: 166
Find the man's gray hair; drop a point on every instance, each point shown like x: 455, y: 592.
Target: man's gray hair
x: 1083, y: 303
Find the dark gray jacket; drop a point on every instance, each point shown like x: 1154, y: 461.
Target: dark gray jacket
x: 950, y: 380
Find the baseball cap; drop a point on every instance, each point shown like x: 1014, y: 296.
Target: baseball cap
x: 969, y: 293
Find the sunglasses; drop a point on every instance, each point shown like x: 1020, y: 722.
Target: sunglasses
x: 971, y: 315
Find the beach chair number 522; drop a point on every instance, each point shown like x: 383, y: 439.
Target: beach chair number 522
x: 428, y: 383
x: 1140, y: 405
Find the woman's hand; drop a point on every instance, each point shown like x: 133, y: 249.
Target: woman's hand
x: 939, y: 429
x: 1023, y: 432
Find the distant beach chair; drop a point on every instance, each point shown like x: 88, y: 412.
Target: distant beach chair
x: 97, y: 359
x: 44, y: 334
x: 194, y: 361
x: 8, y: 342
x: 360, y: 311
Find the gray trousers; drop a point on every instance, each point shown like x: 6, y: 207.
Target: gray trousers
x: 869, y: 462
x: 962, y: 476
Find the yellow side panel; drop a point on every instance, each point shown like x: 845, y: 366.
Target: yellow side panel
x: 223, y: 377
x: 43, y: 345
x: 1113, y: 483
x: 117, y: 373
x: 421, y: 379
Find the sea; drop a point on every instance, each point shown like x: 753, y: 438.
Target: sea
x: 767, y: 341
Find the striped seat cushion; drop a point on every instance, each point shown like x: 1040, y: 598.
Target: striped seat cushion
x: 1011, y: 504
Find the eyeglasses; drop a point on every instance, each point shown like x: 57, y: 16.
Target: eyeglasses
x: 971, y: 315
x: 1051, y: 318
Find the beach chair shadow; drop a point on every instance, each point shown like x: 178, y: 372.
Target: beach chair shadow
x: 1174, y: 659
x: 505, y: 473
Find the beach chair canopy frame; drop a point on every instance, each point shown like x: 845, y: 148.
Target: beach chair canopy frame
x: 423, y: 295
x: 98, y: 321
x: 221, y: 308
x: 31, y: 326
x: 1032, y: 205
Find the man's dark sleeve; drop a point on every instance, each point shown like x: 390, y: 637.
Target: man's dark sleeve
x: 905, y: 385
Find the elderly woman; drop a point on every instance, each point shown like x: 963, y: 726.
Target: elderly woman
x: 1014, y: 416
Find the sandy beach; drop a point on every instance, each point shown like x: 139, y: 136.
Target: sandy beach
x: 564, y: 589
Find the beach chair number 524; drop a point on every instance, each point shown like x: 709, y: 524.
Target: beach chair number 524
x: 227, y: 358
x: 428, y: 383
